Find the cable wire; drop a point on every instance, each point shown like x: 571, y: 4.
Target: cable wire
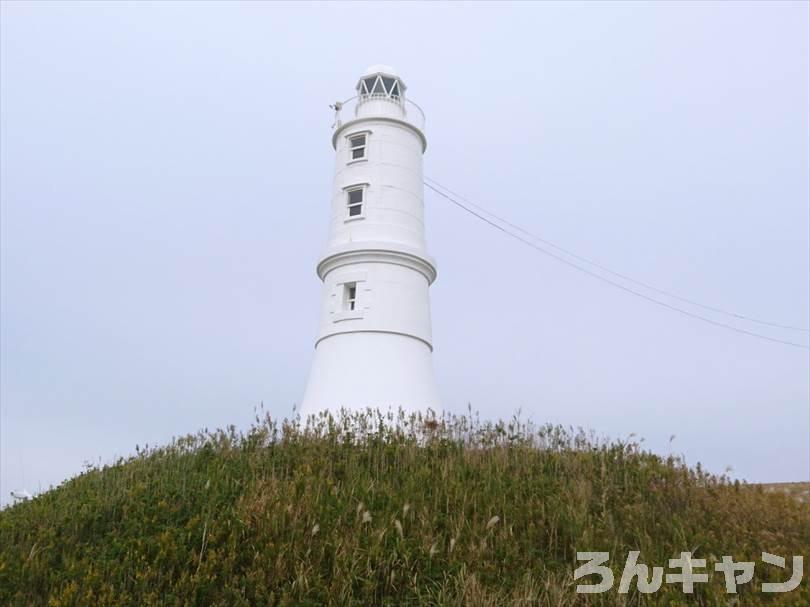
x: 612, y: 282
x: 613, y: 272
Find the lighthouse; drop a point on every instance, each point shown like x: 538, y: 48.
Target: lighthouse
x: 374, y: 346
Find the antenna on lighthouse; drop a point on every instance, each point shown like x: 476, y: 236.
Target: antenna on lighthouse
x: 337, y: 106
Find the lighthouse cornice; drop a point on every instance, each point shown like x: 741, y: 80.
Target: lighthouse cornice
x: 377, y: 252
x: 366, y: 119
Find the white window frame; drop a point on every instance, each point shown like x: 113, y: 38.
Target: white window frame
x: 349, y: 297
x: 352, y: 148
x: 358, y: 187
x: 340, y: 306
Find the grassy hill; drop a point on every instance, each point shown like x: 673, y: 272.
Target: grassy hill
x: 380, y: 510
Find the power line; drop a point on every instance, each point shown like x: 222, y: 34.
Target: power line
x: 609, y: 281
x: 613, y: 272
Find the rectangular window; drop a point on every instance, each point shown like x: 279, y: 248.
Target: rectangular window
x: 354, y: 201
x: 350, y: 296
x: 357, y: 147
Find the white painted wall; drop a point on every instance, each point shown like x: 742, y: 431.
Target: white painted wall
x: 380, y: 353
x: 393, y: 171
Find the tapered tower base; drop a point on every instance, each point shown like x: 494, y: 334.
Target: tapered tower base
x: 377, y: 370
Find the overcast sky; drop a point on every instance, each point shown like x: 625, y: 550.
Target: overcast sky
x: 166, y: 174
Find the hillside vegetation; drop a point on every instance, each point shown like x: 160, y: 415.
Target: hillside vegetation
x: 373, y: 509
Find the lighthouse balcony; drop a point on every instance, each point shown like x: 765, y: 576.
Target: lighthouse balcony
x: 379, y: 105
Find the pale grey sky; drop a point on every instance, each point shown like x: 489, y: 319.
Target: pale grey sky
x: 165, y: 189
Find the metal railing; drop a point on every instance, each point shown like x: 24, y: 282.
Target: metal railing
x: 406, y: 110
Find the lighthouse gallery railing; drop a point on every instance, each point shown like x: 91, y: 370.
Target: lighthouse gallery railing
x: 347, y: 110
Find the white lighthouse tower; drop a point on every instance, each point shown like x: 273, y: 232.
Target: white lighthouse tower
x: 374, y: 345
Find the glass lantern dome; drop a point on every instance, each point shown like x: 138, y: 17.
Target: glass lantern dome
x: 380, y: 82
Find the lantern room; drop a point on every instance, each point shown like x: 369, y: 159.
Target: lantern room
x: 380, y: 82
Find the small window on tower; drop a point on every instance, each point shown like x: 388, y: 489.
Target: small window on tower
x: 354, y: 202
x: 357, y: 147
x: 350, y: 296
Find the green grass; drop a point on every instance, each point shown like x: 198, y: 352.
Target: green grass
x: 373, y: 509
